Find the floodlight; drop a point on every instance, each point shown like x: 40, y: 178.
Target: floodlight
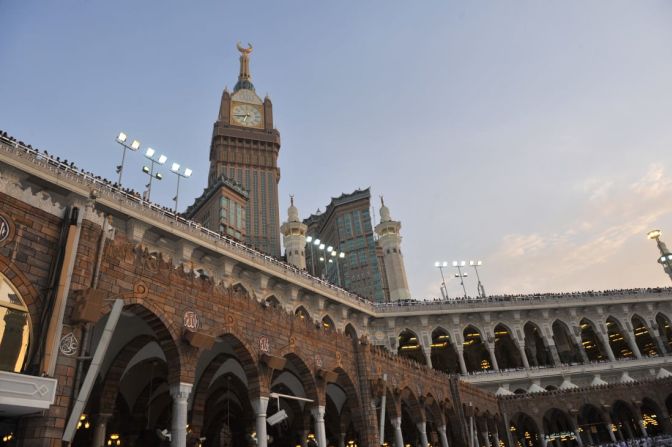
x: 145, y: 169
x: 342, y: 255
x: 437, y: 264
x: 159, y: 176
x: 333, y: 253
x: 162, y: 159
x: 277, y: 417
x: 122, y: 137
x: 135, y: 145
x: 463, y: 263
x: 321, y: 258
x: 309, y: 239
x: 175, y: 167
x: 654, y: 234
x: 454, y: 263
x: 330, y: 248
x: 316, y: 242
x: 321, y: 246
x: 187, y: 172
x: 149, y: 152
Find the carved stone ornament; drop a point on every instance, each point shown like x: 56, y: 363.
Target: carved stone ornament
x: 69, y: 344
x: 264, y: 344
x: 6, y: 229
x: 191, y: 320
x: 318, y: 361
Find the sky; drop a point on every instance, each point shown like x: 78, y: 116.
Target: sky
x: 534, y: 136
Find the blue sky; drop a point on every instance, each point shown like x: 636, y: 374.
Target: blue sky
x: 535, y: 136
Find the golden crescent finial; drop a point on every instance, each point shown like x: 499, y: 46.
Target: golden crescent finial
x: 243, y: 50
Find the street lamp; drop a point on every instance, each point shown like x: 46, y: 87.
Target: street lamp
x: 149, y: 154
x: 175, y: 169
x: 444, y: 290
x: 337, y: 255
x: 459, y: 266
x: 665, y: 258
x: 476, y: 265
x: 135, y: 145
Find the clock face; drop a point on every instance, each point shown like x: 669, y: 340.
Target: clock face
x: 246, y: 115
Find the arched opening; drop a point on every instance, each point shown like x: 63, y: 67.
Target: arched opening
x: 664, y: 331
x: 343, y: 418
x: 444, y: 355
x: 476, y: 356
x: 668, y: 404
x: 591, y: 342
x: 410, y: 411
x: 351, y: 332
x: 535, y: 346
x: 295, y: 380
x: 409, y: 346
x: 272, y: 301
x: 302, y: 314
x: 645, y: 342
x: 328, y: 324
x: 568, y: 350
x: 520, y: 391
x: 524, y: 431
x: 559, y: 429
x: 625, y: 421
x: 221, y: 408
x: 14, y: 328
x: 506, y: 350
x: 617, y: 341
x: 593, y: 426
x: 133, y: 386
x: 651, y: 417
x: 240, y: 290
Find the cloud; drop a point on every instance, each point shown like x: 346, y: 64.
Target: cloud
x: 586, y: 243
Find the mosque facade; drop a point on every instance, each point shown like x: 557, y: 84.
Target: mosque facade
x: 124, y: 323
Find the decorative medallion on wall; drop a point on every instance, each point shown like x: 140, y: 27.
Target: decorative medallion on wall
x: 191, y: 320
x: 6, y: 229
x: 318, y: 361
x: 140, y: 290
x: 338, y: 358
x: 69, y: 344
x: 264, y: 344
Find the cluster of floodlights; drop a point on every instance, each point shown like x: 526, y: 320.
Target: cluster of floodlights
x: 154, y: 159
x: 460, y: 274
x: 329, y: 255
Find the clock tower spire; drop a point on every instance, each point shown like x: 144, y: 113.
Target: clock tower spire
x: 244, y: 150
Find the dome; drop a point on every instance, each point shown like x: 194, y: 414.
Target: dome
x: 384, y: 212
x: 292, y: 212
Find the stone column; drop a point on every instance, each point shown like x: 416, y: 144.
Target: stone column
x: 495, y: 435
x: 640, y: 421
x: 544, y: 441
x: 660, y: 343
x: 460, y: 357
x: 178, y: 430
x: 341, y: 439
x: 428, y: 355
x: 486, y: 438
x: 523, y: 356
x: 259, y: 406
x: 398, y: 436
x: 607, y: 346
x: 610, y: 423
x: 582, y: 350
x: 555, y: 354
x: 100, y: 430
x: 422, y: 428
x: 442, y: 435
x: 320, y: 432
x: 633, y: 343
x: 493, y: 357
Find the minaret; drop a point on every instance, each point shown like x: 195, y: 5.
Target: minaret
x: 294, y: 237
x: 665, y: 258
x: 390, y: 241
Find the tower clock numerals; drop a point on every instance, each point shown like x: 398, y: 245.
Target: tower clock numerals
x: 246, y: 115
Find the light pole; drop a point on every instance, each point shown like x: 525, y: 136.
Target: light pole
x: 175, y: 169
x: 337, y: 255
x: 135, y: 145
x: 459, y: 266
x: 312, y: 241
x: 444, y: 290
x: 476, y: 265
x: 665, y: 258
x: 149, y: 154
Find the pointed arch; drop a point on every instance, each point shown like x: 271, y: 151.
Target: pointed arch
x: 664, y: 330
x: 476, y: 355
x: 618, y: 341
x: 592, y: 342
x: 302, y: 314
x: 410, y: 346
x: 507, y: 351
x: 327, y: 324
x: 568, y: 349
x: 643, y: 338
x: 536, y: 346
x: 444, y: 353
x: 350, y: 331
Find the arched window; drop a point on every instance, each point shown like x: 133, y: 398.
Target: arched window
x: 14, y: 328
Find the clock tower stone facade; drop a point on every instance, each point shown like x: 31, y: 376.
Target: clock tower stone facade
x: 245, y: 149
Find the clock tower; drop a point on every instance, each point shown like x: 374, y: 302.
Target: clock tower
x: 245, y: 149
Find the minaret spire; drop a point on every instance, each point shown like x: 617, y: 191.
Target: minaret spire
x: 244, y: 77
x: 393, y: 261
